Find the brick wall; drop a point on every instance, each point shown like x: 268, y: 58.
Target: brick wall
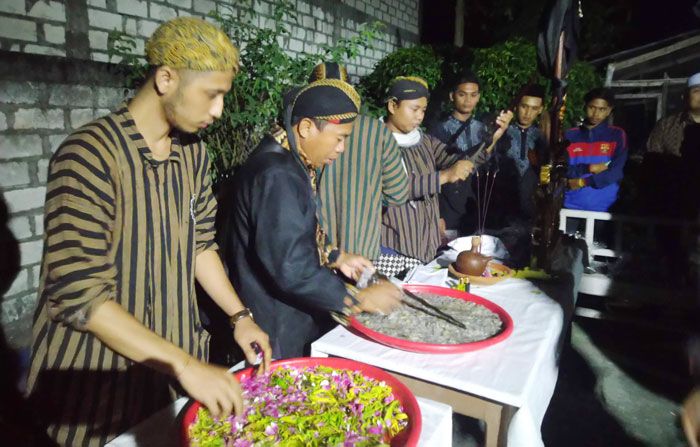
x: 79, y: 28
x: 38, y: 108
x: 54, y: 76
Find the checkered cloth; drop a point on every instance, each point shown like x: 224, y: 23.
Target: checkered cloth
x: 393, y: 265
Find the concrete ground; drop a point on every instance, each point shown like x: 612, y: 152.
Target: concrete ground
x: 620, y: 384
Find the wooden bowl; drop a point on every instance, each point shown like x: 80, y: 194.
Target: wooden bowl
x: 506, y: 272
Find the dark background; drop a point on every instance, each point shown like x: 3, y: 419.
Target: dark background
x: 608, y: 26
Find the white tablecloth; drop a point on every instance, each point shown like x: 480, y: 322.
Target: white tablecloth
x: 162, y: 429
x: 521, y: 371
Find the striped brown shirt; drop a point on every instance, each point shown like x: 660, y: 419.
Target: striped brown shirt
x: 668, y: 134
x: 412, y: 228
x: 367, y: 175
x: 120, y: 226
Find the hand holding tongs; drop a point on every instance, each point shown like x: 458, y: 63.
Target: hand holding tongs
x: 368, y: 278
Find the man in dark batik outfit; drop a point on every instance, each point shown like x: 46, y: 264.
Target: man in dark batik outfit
x: 278, y: 256
x: 462, y: 131
x: 522, y: 144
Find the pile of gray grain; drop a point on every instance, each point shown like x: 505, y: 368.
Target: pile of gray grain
x: 411, y: 324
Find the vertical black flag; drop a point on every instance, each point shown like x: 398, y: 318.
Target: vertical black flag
x: 556, y: 52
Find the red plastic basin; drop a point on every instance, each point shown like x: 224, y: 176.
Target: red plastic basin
x: 414, y: 346
x: 407, y: 437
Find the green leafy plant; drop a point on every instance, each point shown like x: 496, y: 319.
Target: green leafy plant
x: 504, y: 68
x: 255, y: 99
x: 267, y: 72
x: 414, y: 61
x: 582, y: 78
x: 121, y: 47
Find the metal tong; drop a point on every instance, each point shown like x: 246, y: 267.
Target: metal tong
x: 438, y: 313
x: 429, y: 309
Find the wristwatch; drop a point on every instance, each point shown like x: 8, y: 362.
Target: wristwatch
x: 238, y: 316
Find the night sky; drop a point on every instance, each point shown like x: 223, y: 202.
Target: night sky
x: 608, y: 26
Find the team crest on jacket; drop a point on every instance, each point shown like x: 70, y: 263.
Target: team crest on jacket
x: 604, y: 148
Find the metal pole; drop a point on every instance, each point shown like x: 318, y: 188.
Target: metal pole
x: 664, y: 97
x: 459, y: 24
x: 609, y: 74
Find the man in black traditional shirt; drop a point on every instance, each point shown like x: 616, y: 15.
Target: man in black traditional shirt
x: 278, y: 256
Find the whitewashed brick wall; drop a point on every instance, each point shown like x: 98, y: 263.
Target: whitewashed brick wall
x: 40, y: 26
x: 36, y: 116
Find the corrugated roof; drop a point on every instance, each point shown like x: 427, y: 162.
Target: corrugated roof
x: 650, y: 47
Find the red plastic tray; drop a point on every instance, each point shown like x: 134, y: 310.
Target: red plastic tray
x: 435, y: 348
x: 407, y: 437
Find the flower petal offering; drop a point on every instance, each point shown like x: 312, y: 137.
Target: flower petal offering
x: 312, y: 405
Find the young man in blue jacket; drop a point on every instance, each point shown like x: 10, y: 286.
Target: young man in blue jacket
x: 597, y: 155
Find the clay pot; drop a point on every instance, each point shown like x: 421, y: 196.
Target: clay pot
x: 472, y: 262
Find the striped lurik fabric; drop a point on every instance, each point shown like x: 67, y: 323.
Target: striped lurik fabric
x: 353, y: 189
x: 412, y: 228
x: 120, y: 226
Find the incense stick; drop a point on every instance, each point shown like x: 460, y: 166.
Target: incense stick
x: 478, y: 203
x: 488, y: 198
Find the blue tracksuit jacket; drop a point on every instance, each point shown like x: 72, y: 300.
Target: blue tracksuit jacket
x: 601, y: 144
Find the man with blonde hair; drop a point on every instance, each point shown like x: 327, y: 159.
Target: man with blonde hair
x: 129, y: 219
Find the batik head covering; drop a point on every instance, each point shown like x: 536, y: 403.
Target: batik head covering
x: 328, y: 70
x: 329, y: 100
x: 193, y: 44
x: 408, y: 87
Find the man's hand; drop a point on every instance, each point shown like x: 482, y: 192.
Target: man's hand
x: 213, y: 386
x: 545, y: 174
x: 211, y: 276
x: 576, y: 183
x: 595, y: 168
x: 690, y: 417
x: 352, y: 265
x: 503, y: 120
x: 247, y: 334
x: 381, y: 297
x: 442, y: 227
x: 460, y: 170
x: 124, y: 334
